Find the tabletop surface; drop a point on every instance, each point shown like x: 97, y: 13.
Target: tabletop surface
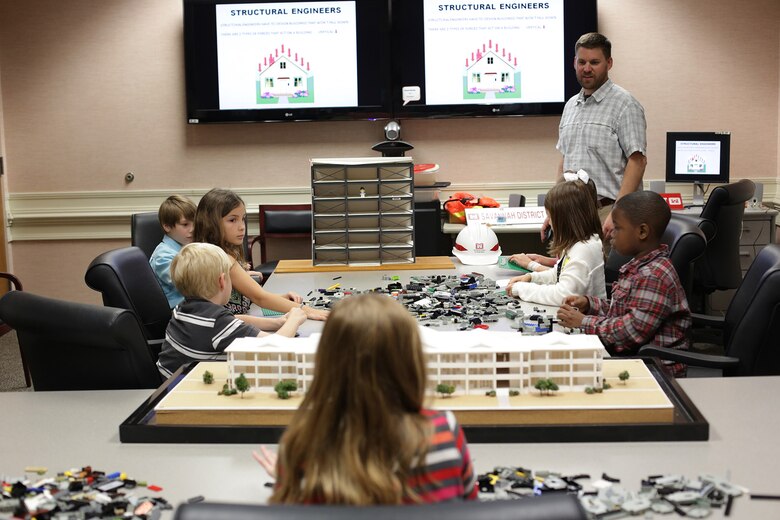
x: 61, y: 430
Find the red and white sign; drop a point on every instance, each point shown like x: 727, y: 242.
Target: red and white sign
x: 505, y: 216
x: 674, y: 200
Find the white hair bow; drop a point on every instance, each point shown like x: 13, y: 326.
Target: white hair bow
x: 581, y: 175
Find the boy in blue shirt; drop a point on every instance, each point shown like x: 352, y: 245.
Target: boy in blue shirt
x: 176, y: 216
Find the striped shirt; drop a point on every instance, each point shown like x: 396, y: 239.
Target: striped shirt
x: 199, y: 330
x: 648, y: 306
x: 447, y: 473
x: 599, y: 133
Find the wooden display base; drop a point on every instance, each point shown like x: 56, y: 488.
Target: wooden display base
x: 183, y: 410
x: 421, y: 262
x: 640, y: 400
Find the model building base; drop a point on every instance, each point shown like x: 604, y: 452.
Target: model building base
x: 640, y: 400
x: 142, y: 425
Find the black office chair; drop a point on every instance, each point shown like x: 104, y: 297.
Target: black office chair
x: 146, y: 232
x: 686, y: 242
x: 77, y: 346
x: 516, y: 200
x: 280, y: 221
x: 14, y: 284
x: 721, y: 220
x: 751, y: 327
x: 558, y: 506
x: 126, y: 280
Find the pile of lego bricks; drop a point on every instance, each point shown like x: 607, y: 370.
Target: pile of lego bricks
x: 79, y: 494
x: 605, y: 497
x: 469, y: 301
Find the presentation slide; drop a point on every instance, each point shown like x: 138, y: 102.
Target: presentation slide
x: 496, y: 52
x: 292, y: 54
x: 697, y: 157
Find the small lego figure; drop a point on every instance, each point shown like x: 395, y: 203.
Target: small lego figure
x: 362, y: 192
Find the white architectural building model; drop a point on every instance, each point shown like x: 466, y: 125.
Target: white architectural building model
x: 472, y: 361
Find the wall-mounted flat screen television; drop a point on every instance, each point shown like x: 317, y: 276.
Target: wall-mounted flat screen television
x: 281, y: 60
x: 486, y: 58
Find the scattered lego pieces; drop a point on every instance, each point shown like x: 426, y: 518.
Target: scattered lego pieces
x: 77, y: 493
x: 606, y: 498
x: 468, y: 301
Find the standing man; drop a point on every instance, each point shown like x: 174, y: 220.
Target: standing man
x: 603, y: 129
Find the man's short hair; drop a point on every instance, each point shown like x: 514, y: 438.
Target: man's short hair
x: 594, y: 40
x: 196, y: 268
x: 174, y: 208
x: 646, y: 207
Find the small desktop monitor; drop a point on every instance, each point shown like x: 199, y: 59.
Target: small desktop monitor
x: 699, y: 158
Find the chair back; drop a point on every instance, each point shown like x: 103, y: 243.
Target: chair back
x: 752, y: 322
x: 282, y: 221
x: 126, y: 280
x: 77, y: 346
x: 687, y: 243
x: 558, y: 506
x: 719, y: 267
x: 146, y: 231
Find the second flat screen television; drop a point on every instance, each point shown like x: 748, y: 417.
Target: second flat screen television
x: 486, y: 58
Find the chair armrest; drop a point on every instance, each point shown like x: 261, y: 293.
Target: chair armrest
x: 691, y: 358
x: 17, y: 284
x: 706, y: 320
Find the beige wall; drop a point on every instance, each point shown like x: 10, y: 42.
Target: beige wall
x: 92, y: 89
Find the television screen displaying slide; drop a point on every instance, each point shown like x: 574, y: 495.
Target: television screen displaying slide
x: 507, y: 54
x: 487, y: 58
x: 280, y: 54
x: 286, y: 60
x: 697, y: 157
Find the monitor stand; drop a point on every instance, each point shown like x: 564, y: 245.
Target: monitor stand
x: 698, y: 194
x: 392, y: 148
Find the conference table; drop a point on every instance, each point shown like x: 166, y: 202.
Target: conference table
x: 62, y: 430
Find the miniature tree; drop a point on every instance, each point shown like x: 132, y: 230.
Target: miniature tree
x: 490, y: 393
x: 226, y: 390
x: 624, y: 375
x: 445, y: 390
x: 242, y: 385
x: 542, y: 386
x: 514, y: 393
x: 546, y: 386
x: 208, y: 377
x: 606, y: 386
x: 589, y: 390
x: 283, y: 389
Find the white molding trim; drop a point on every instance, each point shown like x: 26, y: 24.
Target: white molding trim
x: 105, y: 215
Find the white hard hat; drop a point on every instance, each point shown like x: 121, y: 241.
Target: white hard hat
x: 477, y: 245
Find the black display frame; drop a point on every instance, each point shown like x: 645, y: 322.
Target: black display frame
x: 688, y: 425
x: 725, y: 157
x: 580, y: 17
x: 201, y: 76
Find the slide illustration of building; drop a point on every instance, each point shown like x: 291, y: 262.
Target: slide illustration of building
x: 284, y: 75
x: 696, y: 164
x: 491, y: 71
x: 472, y: 361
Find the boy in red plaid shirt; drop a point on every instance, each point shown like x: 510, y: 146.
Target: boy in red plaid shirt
x: 648, y: 304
